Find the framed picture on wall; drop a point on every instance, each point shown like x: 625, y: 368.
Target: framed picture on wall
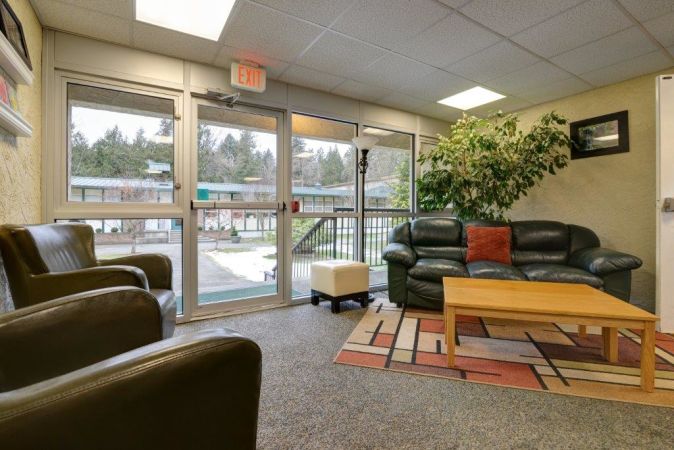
x: 599, y: 136
x: 11, y: 27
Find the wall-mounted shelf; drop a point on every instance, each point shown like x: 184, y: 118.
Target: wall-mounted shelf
x: 12, y: 63
x: 11, y: 121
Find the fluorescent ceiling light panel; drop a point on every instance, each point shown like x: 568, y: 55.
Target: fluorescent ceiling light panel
x: 203, y: 18
x: 471, y: 98
x: 377, y: 131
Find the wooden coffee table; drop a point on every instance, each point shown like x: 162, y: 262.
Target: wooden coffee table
x: 576, y: 304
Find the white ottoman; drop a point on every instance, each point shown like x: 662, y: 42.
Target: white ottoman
x: 340, y: 280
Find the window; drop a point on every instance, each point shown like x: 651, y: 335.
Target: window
x: 323, y: 161
x: 120, y: 143
x: 237, y: 150
x: 389, y: 178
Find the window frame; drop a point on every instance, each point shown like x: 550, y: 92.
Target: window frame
x: 57, y: 202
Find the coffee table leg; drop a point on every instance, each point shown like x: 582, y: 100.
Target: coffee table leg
x: 610, y: 348
x: 648, y: 357
x: 582, y: 331
x: 450, y: 333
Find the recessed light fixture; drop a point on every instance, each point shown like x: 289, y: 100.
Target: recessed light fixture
x: 203, y: 18
x: 471, y: 98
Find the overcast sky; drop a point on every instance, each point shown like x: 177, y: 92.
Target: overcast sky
x: 93, y: 123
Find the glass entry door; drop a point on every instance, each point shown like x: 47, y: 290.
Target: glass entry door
x: 237, y: 207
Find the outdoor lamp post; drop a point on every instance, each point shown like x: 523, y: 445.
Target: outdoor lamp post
x: 364, y: 144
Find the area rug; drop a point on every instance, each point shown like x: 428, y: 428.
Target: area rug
x: 527, y: 355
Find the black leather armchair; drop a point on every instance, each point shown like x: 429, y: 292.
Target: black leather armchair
x: 44, y: 262
x: 92, y: 371
x: 424, y: 251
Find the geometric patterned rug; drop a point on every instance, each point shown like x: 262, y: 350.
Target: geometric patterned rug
x: 517, y: 354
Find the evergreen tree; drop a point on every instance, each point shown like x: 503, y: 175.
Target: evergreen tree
x: 332, y: 168
x: 401, y: 185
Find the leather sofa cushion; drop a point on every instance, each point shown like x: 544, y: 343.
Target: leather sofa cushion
x: 540, y: 235
x: 494, y: 270
x: 540, y: 241
x: 428, y: 289
x: 453, y: 253
x: 561, y: 274
x: 434, y: 269
x: 488, y: 244
x: 64, y: 247
x: 435, y: 232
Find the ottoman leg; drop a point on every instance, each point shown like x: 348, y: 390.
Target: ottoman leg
x: 364, y: 300
x: 335, y: 306
x: 315, y: 298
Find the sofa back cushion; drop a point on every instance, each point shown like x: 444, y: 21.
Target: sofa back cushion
x: 64, y: 247
x: 540, y: 241
x: 437, y: 237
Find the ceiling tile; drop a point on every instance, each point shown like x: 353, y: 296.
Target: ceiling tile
x: 649, y: 63
x: 512, y: 16
x: 495, y: 61
x: 401, y: 101
x: 83, y: 21
x: 316, y: 11
x: 228, y: 55
x: 648, y: 9
x: 575, y: 27
x: 340, y: 55
x: 173, y: 43
x: 307, y: 77
x: 524, y: 79
x: 621, y: 46
x: 449, y: 40
x: 361, y: 91
x: 662, y: 28
x: 393, y: 72
x: 120, y: 8
x: 508, y: 104
x: 438, y: 111
x: 436, y: 86
x: 389, y: 23
x: 266, y: 32
x: 455, y: 3
x: 556, y: 90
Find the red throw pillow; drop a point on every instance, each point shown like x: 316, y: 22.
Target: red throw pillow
x: 489, y: 244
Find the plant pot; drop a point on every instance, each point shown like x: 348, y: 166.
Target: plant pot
x: 236, y: 239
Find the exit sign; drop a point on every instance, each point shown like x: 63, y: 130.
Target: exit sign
x: 249, y: 78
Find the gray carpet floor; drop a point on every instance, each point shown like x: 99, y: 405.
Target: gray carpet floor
x: 309, y: 402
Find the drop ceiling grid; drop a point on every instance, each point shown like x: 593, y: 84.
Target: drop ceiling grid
x: 303, y: 31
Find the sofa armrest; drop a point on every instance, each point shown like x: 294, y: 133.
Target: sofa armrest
x: 48, y: 286
x: 602, y: 261
x: 56, y: 337
x: 138, y: 399
x: 157, y: 267
x: 399, y: 254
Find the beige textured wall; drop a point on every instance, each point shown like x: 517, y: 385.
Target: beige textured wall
x: 613, y: 195
x: 20, y: 158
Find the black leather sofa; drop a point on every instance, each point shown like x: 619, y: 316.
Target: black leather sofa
x: 423, y: 251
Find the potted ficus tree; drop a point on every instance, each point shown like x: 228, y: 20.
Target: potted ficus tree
x: 234, y: 235
x: 484, y: 165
